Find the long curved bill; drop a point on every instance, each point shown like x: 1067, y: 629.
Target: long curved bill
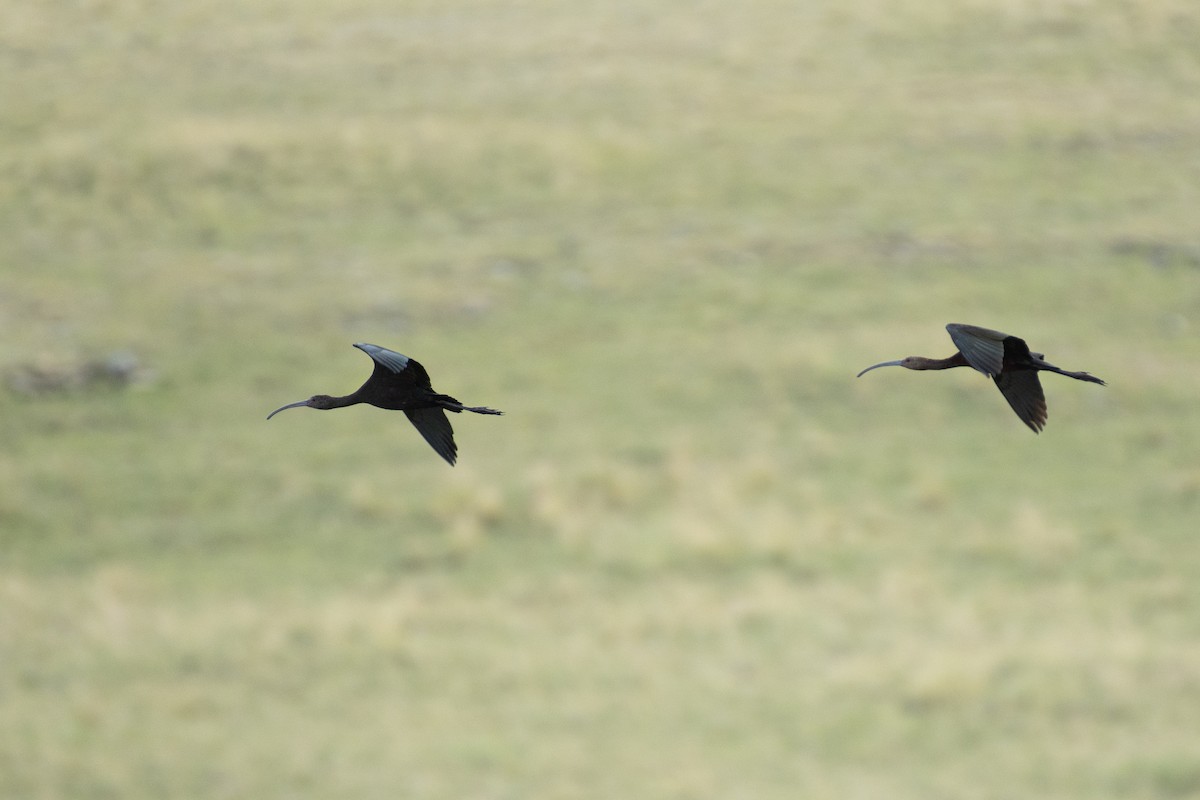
x: 289, y: 405
x: 877, y: 366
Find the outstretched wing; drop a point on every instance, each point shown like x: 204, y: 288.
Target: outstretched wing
x: 1023, y: 391
x: 433, y: 425
x: 982, y: 347
x: 397, y: 367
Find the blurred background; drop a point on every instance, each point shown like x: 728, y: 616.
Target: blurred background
x: 697, y: 558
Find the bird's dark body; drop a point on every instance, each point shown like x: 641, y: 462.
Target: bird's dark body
x: 1005, y: 359
x: 400, y: 383
x: 384, y: 389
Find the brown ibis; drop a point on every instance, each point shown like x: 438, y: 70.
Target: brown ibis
x: 1005, y: 359
x: 400, y: 383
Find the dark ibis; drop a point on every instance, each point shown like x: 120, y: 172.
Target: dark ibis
x: 1005, y: 359
x: 400, y: 383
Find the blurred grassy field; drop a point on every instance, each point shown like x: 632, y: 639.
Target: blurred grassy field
x: 697, y: 558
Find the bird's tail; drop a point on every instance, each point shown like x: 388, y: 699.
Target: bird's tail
x: 483, y: 410
x: 1079, y: 376
x: 450, y: 404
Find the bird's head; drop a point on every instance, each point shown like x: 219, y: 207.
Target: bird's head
x: 321, y: 401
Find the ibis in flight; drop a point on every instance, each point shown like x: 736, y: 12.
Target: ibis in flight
x: 1005, y: 359
x: 400, y: 383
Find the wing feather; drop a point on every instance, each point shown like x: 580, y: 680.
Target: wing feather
x: 391, y: 363
x: 982, y: 347
x: 435, y: 427
x: 1023, y: 391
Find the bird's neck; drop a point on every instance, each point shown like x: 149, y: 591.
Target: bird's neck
x: 328, y: 402
x: 956, y: 360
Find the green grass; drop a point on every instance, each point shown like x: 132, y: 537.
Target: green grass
x: 697, y: 558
